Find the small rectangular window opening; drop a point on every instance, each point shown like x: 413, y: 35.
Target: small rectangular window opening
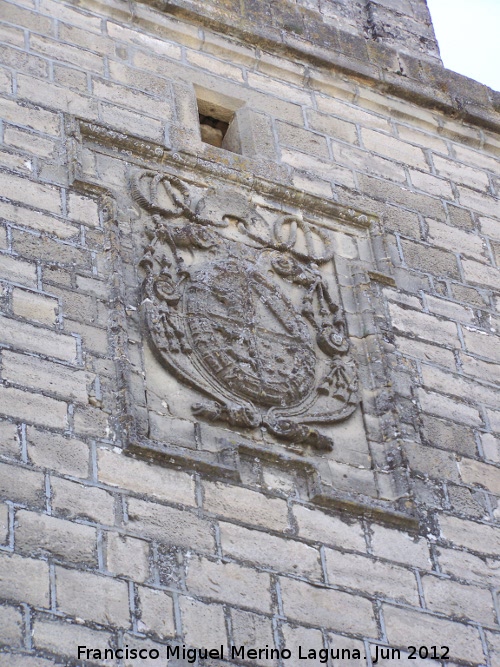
x: 212, y: 130
x: 218, y: 120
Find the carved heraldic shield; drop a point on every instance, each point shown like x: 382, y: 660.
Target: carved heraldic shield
x: 238, y: 310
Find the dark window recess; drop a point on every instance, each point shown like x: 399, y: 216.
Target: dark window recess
x: 212, y: 130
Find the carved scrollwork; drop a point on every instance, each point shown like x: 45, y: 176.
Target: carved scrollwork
x: 238, y: 309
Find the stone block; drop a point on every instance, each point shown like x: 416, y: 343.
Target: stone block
x: 441, y: 433
x: 400, y: 547
x: 33, y: 306
x: 92, y: 597
x: 406, y: 627
x: 327, y: 529
x: 480, y: 274
x: 38, y: 195
x: 9, y: 440
x: 493, y: 417
x: 230, y: 583
x: 491, y: 447
x: 240, y: 504
x: 83, y: 210
x: 251, y: 134
x: 431, y: 462
x: 478, y: 202
x: 371, y: 576
x: 480, y: 474
x: 169, y: 429
x: 442, y: 406
x: 478, y: 537
x: 426, y: 352
x: 352, y: 478
x: 24, y: 660
x: 394, y: 148
x: 68, y: 456
x: 332, y: 126
x: 78, y: 501
x: 450, y: 310
x: 334, y: 107
x: 278, y: 88
x: 24, y: 580
x: 437, y: 187
x: 203, y: 624
x: 215, y: 66
x: 302, y: 140
x: 126, y: 120
x: 34, y: 373
x: 156, y: 612
x: 364, y: 161
x: 458, y: 600
x: 317, y: 167
x: 252, y: 630
x: 297, y: 638
x: 430, y: 260
x: 91, y: 421
x: 4, y: 523
x: 461, y: 173
x: 493, y: 643
x: 169, y: 525
x: 490, y: 227
x: 134, y: 99
x: 63, y: 638
x: 463, y: 565
x: 327, y: 608
x: 28, y: 115
x: 28, y: 141
x: 18, y: 271
x: 482, y: 344
x: 11, y: 622
x: 167, y: 484
x: 40, y: 534
x: 127, y: 557
x: 424, y: 326
x: 22, y: 485
x: 94, y: 338
x: 30, y: 338
x: 286, y: 556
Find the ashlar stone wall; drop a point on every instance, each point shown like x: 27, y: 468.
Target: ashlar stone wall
x: 128, y: 519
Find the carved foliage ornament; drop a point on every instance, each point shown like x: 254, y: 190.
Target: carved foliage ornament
x: 237, y: 309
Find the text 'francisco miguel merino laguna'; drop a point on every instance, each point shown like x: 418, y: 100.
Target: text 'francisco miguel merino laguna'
x: 191, y: 655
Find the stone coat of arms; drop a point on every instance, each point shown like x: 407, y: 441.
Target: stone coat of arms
x: 238, y: 309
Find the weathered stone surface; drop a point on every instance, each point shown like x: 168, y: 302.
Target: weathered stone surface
x: 320, y: 527
x: 156, y: 612
x: 92, y: 597
x: 371, y: 576
x: 52, y: 451
x: 229, y: 582
x: 117, y: 470
x: 406, y: 627
x: 62, y: 638
x: 77, y: 501
x: 126, y: 556
x: 203, y: 624
x: 270, y: 551
x: 178, y: 455
x: 39, y: 534
x: 233, y: 502
x: 169, y: 525
x: 327, y: 607
x: 24, y: 580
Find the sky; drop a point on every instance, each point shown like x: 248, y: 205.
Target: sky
x: 468, y: 33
